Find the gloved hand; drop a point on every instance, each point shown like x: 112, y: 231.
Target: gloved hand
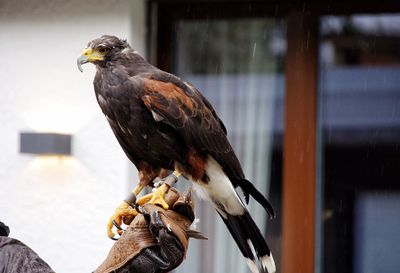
x: 156, y: 240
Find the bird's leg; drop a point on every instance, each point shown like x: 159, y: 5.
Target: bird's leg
x: 157, y: 196
x: 124, y: 210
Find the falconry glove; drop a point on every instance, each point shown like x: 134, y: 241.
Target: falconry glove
x: 156, y: 240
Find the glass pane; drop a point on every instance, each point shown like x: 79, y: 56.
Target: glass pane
x: 237, y: 65
x: 360, y: 109
x: 376, y: 236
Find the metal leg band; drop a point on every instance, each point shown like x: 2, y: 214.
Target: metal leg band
x: 131, y: 199
x: 170, y: 179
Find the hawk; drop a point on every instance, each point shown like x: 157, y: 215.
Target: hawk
x: 165, y: 124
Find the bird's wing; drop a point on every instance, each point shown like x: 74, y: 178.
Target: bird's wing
x: 176, y: 102
x: 179, y: 104
x: 208, y: 105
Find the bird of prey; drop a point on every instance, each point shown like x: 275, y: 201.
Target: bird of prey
x: 165, y: 124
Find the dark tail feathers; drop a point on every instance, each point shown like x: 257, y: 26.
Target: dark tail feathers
x: 250, y: 242
x: 248, y: 188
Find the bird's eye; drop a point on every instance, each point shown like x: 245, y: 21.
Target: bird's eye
x: 102, y: 50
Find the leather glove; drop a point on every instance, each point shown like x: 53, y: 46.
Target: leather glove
x: 156, y: 240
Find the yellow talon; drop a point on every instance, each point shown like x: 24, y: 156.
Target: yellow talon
x: 156, y: 197
x: 121, y: 212
x: 144, y: 199
x: 125, y: 212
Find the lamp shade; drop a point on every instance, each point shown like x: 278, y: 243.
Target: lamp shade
x: 45, y: 143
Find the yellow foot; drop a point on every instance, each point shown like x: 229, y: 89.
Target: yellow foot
x: 123, y: 213
x: 156, y: 197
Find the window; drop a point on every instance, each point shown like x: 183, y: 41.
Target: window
x: 309, y: 93
x: 360, y: 116
x: 237, y: 65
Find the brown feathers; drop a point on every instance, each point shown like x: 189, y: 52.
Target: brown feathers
x: 169, y: 91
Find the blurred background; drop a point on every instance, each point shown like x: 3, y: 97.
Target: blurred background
x: 308, y: 90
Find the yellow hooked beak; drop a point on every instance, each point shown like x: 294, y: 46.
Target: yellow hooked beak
x: 88, y: 55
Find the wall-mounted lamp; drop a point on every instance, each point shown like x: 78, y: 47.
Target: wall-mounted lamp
x: 45, y: 143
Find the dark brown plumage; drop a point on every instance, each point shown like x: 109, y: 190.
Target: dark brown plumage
x: 163, y: 122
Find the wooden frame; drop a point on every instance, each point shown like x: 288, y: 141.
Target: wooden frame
x: 300, y: 152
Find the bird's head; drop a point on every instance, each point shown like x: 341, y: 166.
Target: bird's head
x: 102, y: 50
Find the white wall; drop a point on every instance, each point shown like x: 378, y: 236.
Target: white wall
x: 60, y: 206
